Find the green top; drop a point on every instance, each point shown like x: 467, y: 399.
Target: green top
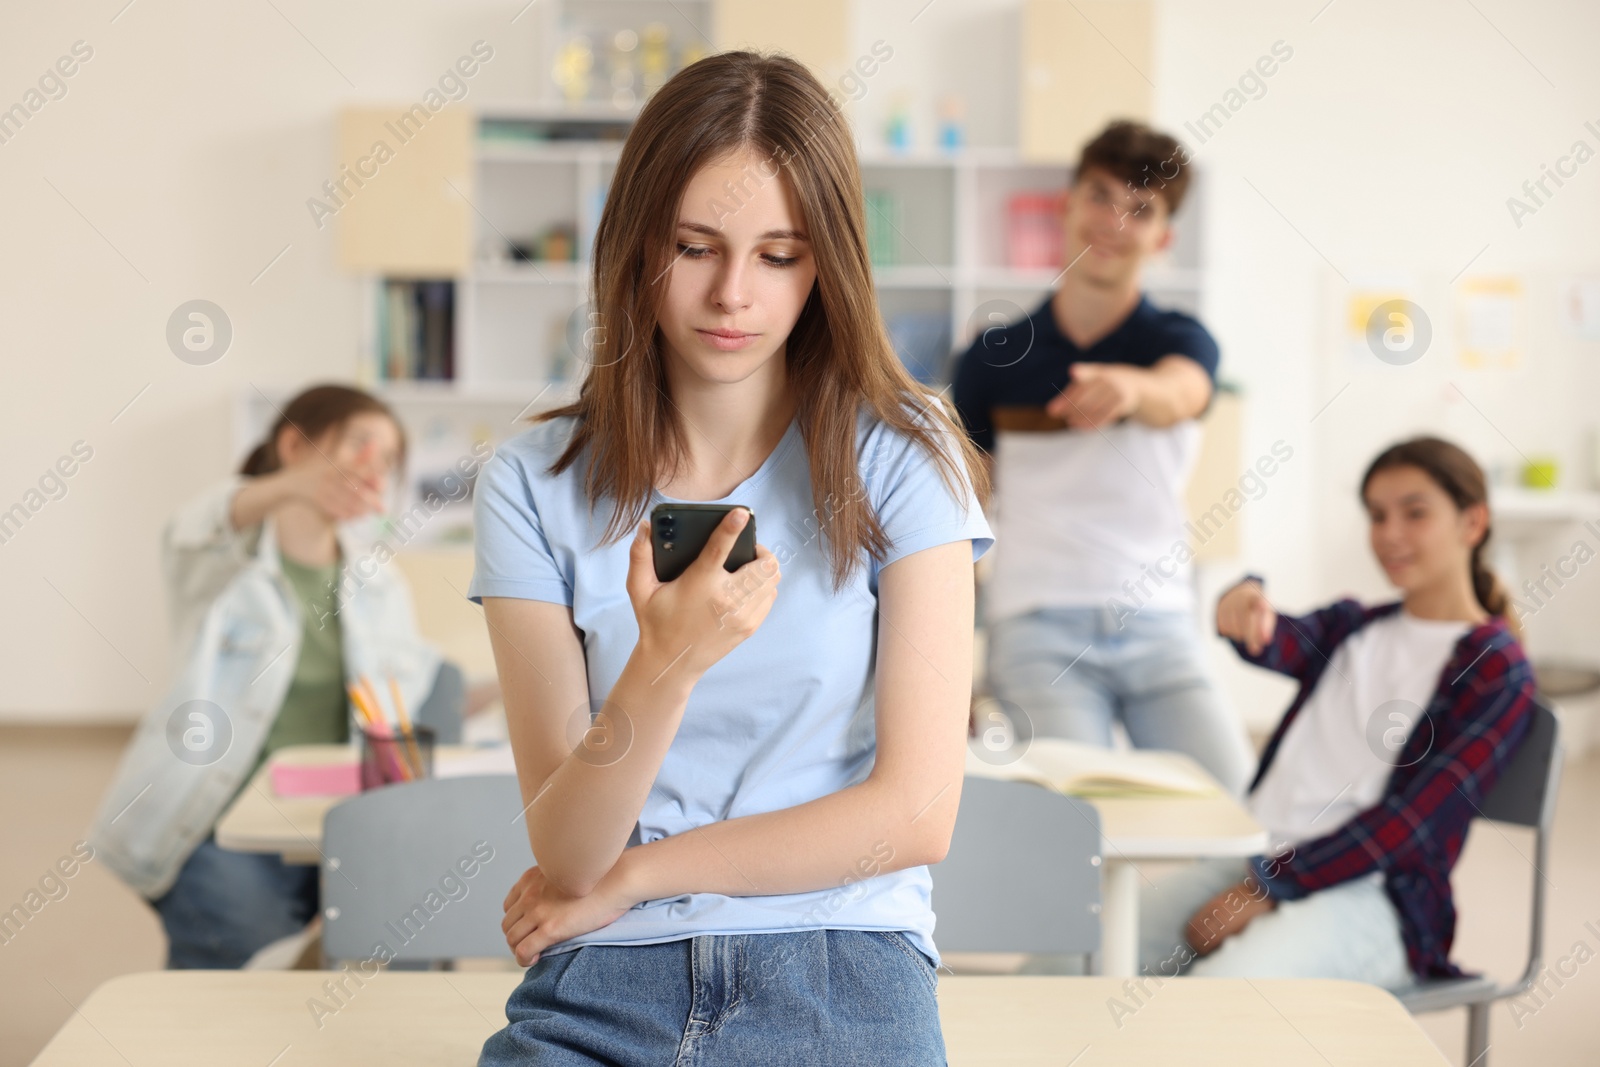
x: 314, y: 709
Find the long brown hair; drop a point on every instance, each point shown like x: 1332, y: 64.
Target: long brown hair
x: 839, y: 356
x: 1458, y: 474
x: 314, y: 412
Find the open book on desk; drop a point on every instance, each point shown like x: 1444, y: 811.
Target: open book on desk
x: 1084, y: 770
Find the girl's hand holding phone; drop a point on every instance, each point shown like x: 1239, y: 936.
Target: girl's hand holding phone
x: 706, y: 612
x: 1245, y: 615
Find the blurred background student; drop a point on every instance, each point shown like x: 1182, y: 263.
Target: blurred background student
x: 268, y: 625
x: 1089, y: 605
x: 1406, y: 716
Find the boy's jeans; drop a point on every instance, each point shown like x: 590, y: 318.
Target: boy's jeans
x: 1072, y: 671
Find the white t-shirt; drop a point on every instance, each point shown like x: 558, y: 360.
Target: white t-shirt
x: 1337, y: 755
x: 1086, y: 517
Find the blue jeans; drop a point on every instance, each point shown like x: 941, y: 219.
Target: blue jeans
x: 1073, y: 671
x: 226, y: 906
x: 807, y: 997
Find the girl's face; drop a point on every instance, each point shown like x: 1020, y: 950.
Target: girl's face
x: 1419, y: 536
x: 742, y: 271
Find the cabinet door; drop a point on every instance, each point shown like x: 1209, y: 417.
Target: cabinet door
x: 1217, y: 471
x: 814, y: 32
x: 1084, y: 63
x: 404, y: 219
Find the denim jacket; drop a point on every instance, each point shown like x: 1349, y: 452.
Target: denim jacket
x: 237, y: 631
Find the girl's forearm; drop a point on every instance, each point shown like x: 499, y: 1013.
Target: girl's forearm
x: 832, y: 842
x: 257, y: 499
x: 580, y: 820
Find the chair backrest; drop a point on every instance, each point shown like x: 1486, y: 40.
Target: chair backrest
x: 1525, y: 795
x: 443, y: 709
x: 1022, y: 873
x: 419, y: 870
x: 1526, y: 792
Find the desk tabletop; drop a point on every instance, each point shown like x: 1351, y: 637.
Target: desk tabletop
x: 1175, y: 826
x: 203, y: 1018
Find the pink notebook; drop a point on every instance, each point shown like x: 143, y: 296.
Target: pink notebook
x: 316, y: 779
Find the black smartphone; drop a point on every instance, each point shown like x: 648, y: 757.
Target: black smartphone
x: 678, y: 533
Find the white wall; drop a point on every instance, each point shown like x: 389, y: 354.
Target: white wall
x: 1390, y: 142
x: 191, y: 140
x: 189, y: 143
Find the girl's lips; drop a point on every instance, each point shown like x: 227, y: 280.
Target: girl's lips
x: 727, y: 342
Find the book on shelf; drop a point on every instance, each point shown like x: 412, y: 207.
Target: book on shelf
x: 416, y: 331
x: 1084, y: 770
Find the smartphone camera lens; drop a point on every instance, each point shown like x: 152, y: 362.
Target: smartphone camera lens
x: 668, y: 527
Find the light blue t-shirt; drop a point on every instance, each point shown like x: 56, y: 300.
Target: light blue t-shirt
x: 784, y: 718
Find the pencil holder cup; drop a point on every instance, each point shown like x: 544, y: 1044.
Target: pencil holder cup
x: 403, y: 757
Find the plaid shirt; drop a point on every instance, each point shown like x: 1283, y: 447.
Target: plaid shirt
x: 1478, y: 715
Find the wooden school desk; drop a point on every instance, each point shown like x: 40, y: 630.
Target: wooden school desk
x: 1133, y: 829
x: 205, y: 1018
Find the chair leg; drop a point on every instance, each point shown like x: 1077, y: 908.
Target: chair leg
x: 1478, y: 1035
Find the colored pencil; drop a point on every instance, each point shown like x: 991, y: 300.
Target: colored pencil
x: 405, y: 727
x: 360, y: 702
x: 372, y: 697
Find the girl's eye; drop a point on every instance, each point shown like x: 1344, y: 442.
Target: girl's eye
x: 700, y: 252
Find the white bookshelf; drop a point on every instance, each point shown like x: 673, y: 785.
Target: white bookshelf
x: 512, y: 317
x: 951, y: 252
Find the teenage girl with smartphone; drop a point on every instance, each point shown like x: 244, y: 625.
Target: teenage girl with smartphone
x: 734, y: 782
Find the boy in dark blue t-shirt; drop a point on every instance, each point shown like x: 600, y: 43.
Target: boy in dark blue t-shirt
x: 1088, y: 410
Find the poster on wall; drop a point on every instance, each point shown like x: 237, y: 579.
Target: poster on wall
x: 1580, y: 305
x: 1383, y: 320
x: 1491, y: 315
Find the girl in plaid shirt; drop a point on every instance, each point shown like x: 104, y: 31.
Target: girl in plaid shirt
x: 1406, y: 715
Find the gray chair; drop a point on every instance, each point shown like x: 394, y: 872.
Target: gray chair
x: 418, y: 871
x: 1022, y: 873
x: 445, y: 705
x: 1525, y: 795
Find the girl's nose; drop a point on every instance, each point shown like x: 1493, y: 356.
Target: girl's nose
x: 730, y: 293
